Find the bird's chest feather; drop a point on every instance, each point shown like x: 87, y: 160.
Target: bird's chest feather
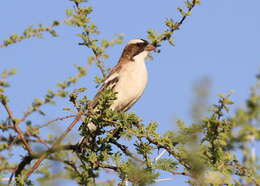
x: 135, y: 77
x: 132, y: 82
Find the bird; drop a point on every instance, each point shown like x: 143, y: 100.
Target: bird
x: 128, y: 78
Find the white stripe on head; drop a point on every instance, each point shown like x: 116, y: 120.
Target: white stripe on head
x: 134, y: 41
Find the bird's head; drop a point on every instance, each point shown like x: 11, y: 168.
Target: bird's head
x: 137, y: 48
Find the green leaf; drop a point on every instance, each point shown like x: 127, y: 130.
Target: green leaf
x: 166, y: 164
x: 69, y: 12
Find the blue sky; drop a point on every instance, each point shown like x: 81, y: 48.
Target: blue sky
x: 220, y: 40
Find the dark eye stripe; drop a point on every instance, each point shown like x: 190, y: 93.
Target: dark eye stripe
x: 141, y: 44
x: 133, y: 49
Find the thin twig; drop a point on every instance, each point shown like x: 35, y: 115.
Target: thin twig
x: 6, y: 127
x: 17, y: 128
x: 44, y: 142
x: 26, y: 115
x: 4, y: 179
x: 180, y: 173
x: 180, y: 22
x: 27, y: 159
x: 107, y: 166
x: 7, y: 168
x: 54, y: 120
x: 11, y: 138
x: 160, y: 155
x: 55, y: 145
x: 126, y: 151
x: 185, y: 16
x: 164, y: 179
x: 13, y: 142
x: 99, y: 64
x: 169, y: 150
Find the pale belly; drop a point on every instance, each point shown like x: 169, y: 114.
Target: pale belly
x: 130, y: 86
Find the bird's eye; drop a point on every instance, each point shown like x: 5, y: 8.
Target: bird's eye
x: 140, y: 44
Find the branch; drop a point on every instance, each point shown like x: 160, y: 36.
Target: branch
x: 180, y: 173
x: 27, y: 159
x: 126, y: 151
x: 107, y: 166
x: 180, y: 22
x: 87, y: 41
x: 99, y: 63
x: 7, y: 168
x: 31, y: 32
x: 194, y: 2
x: 71, y: 164
x: 14, y: 141
x: 16, y: 127
x: 54, y: 120
x: 169, y: 150
x: 160, y: 155
x: 164, y: 179
x: 54, y: 146
x: 172, y: 26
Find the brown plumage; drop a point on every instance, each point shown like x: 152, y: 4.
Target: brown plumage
x: 128, y: 78
x: 133, y: 49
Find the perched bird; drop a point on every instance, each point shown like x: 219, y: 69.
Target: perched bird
x: 128, y: 78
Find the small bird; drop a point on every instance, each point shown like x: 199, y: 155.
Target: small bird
x: 128, y: 78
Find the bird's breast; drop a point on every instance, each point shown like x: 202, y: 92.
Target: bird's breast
x: 131, y: 85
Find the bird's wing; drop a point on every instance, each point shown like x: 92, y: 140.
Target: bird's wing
x: 109, y: 83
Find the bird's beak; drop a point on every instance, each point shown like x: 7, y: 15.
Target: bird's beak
x: 150, y: 47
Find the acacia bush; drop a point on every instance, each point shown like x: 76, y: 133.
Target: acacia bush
x: 206, y: 151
